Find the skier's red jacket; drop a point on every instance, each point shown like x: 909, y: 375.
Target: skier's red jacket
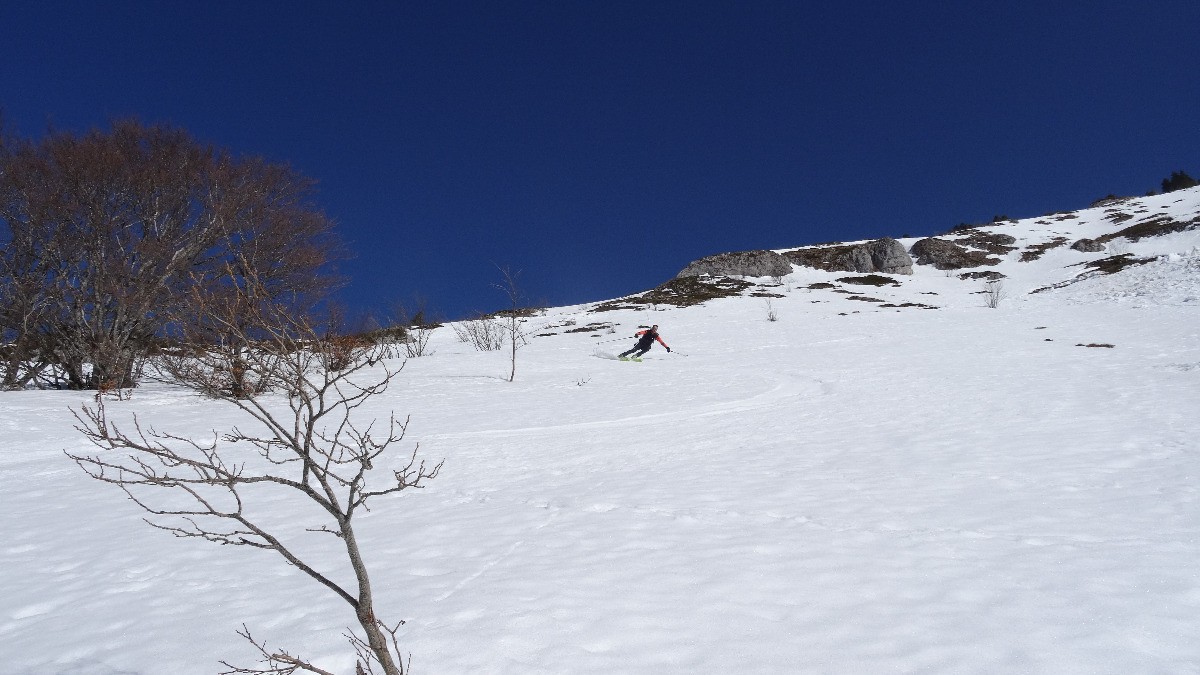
x: 655, y: 336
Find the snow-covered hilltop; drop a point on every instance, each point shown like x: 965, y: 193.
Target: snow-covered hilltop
x: 1020, y: 257
x: 832, y: 471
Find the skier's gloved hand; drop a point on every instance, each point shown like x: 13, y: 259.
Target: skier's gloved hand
x: 668, y: 350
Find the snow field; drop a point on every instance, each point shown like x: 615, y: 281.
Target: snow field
x: 957, y: 490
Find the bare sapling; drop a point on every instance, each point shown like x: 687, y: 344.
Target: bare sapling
x: 993, y: 293
x: 416, y: 329
x: 302, y: 392
x: 514, y: 321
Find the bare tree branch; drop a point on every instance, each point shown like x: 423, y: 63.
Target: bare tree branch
x: 278, y: 662
x: 302, y: 389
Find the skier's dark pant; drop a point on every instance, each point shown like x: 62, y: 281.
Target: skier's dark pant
x: 640, y: 349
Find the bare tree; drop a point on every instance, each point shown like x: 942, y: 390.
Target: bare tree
x: 104, y: 233
x: 23, y: 358
x: 514, y: 315
x: 306, y: 436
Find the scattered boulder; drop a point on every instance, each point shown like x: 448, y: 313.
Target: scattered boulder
x: 889, y: 257
x: 739, y: 264
x: 884, y: 255
x: 1088, y: 246
x: 947, y: 255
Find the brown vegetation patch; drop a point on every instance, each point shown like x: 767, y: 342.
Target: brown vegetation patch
x: 1109, y: 265
x: 680, y: 292
x: 1153, y: 227
x: 1116, y: 263
x: 1035, y: 251
x: 909, y: 304
x: 1096, y: 344
x: 521, y: 312
x: 990, y: 275
x: 1110, y: 200
x: 1117, y: 216
x: 590, y: 328
x: 821, y: 285
x: 614, y: 305
x: 996, y: 244
x: 864, y: 298
x: 870, y: 280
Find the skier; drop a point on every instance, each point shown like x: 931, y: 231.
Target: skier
x: 646, y: 339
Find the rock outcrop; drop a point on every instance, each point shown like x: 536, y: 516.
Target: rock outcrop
x: 884, y: 255
x: 739, y: 264
x: 947, y: 255
x: 1088, y: 246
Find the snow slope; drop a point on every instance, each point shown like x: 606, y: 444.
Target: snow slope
x: 852, y: 488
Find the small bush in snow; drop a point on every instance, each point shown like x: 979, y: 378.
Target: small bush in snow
x: 993, y: 293
x: 485, y: 333
x: 416, y: 341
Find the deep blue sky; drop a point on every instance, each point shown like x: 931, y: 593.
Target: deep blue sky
x: 601, y: 146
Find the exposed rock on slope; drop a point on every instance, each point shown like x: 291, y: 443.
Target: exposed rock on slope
x: 975, y: 253
x: 1088, y: 246
x: 739, y: 264
x: 881, y: 255
x: 947, y: 255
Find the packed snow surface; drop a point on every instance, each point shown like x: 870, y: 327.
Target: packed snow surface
x: 852, y: 488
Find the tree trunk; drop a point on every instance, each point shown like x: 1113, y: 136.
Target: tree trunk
x: 365, y: 609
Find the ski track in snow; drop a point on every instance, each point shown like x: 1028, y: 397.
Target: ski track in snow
x: 790, y: 387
